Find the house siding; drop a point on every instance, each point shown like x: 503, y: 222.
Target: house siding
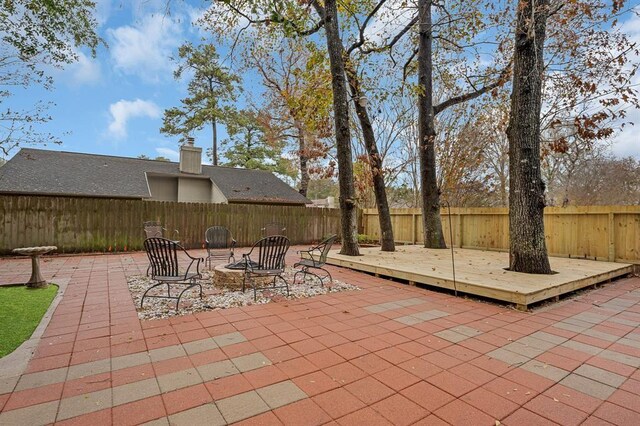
x: 194, y: 190
x: 163, y: 188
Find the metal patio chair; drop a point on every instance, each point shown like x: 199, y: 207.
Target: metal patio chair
x: 164, y: 258
x: 266, y: 259
x: 220, y: 244
x: 153, y: 229
x: 315, y: 258
x: 273, y: 228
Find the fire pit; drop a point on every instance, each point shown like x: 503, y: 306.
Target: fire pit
x: 232, y: 275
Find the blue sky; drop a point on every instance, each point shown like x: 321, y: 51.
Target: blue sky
x: 113, y: 104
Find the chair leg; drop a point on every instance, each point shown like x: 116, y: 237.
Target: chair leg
x: 180, y: 295
x: 196, y: 283
x: 327, y: 276
x: 305, y: 270
x: 330, y: 277
x: 147, y: 291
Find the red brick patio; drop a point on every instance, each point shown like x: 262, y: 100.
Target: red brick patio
x: 388, y: 354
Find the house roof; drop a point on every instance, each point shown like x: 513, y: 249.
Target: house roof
x: 43, y: 172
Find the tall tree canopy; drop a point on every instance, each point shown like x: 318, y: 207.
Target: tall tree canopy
x: 250, y: 147
x: 298, y: 96
x: 211, y: 88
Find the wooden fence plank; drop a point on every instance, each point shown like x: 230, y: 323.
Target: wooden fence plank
x: 102, y: 225
x: 591, y: 232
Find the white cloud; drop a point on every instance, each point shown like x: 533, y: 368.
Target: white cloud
x: 197, y: 14
x: 171, y: 154
x: 123, y: 110
x: 627, y: 142
x: 390, y: 19
x: 85, y: 71
x: 144, y: 48
x: 632, y: 25
x: 102, y: 11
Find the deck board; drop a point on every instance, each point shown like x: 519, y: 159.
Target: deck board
x: 481, y: 272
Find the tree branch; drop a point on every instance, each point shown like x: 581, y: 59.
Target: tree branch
x: 473, y: 94
x: 363, y: 27
x: 395, y: 40
x: 406, y: 64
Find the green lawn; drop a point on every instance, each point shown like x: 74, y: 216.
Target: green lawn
x: 21, y: 310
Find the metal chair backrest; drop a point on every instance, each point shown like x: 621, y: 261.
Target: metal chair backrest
x: 153, y: 229
x: 324, y: 248
x: 271, y: 252
x: 273, y: 228
x: 163, y: 257
x: 218, y: 237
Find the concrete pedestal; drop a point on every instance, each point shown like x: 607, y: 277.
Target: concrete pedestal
x: 36, y: 280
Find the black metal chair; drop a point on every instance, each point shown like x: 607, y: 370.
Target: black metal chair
x: 315, y: 258
x: 165, y: 267
x: 153, y: 229
x: 273, y: 228
x: 220, y: 244
x: 268, y: 261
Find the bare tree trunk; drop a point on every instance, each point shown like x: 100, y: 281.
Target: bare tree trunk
x: 503, y: 191
x: 348, y: 209
x: 304, y: 168
x: 433, y: 235
x: 214, y: 148
x: 527, y: 250
x: 375, y: 161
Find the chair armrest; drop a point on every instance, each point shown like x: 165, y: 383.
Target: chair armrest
x: 248, y: 266
x: 233, y: 243
x: 310, y: 253
x: 193, y: 259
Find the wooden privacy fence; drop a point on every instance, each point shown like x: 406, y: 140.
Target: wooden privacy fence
x: 609, y: 233
x: 113, y: 225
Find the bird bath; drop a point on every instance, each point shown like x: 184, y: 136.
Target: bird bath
x: 36, y: 280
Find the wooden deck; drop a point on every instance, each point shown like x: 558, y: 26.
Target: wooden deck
x: 481, y: 273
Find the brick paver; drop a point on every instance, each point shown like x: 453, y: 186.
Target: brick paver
x: 387, y: 354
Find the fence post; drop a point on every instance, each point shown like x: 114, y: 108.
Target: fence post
x: 413, y: 229
x: 612, y: 239
x: 459, y: 229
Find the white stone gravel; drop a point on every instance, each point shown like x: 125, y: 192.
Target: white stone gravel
x: 215, y: 297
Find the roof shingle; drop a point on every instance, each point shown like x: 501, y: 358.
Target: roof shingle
x: 43, y: 172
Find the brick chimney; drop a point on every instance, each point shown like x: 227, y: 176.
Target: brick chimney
x: 190, y: 158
